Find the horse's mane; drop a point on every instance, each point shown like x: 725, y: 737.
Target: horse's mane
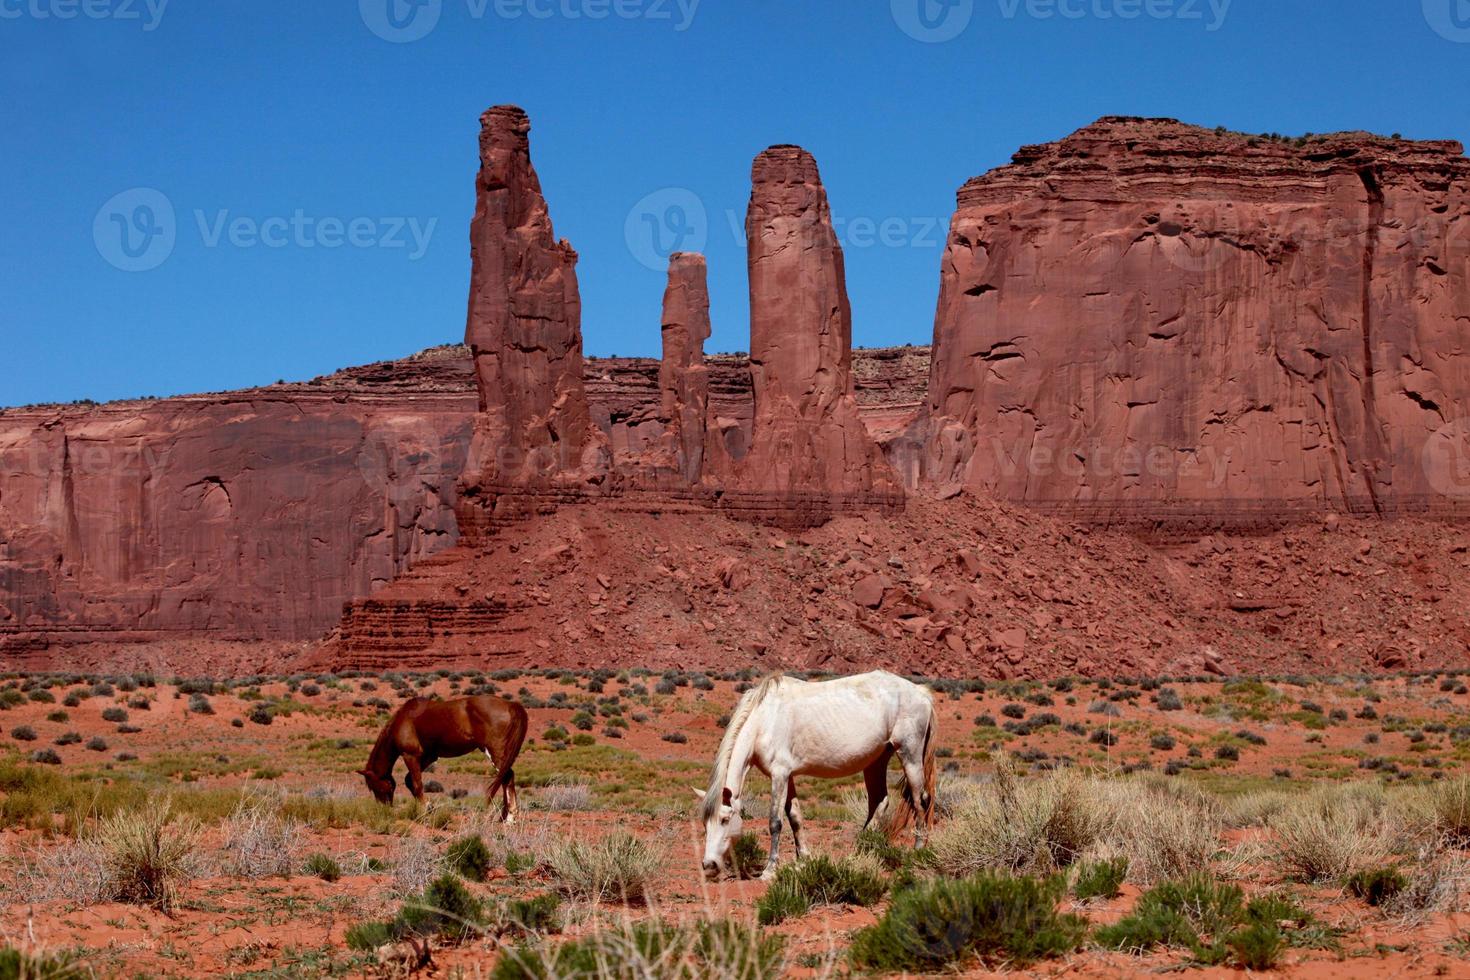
x: 748, y: 702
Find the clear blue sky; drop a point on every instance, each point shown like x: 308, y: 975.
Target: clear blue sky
x: 263, y: 109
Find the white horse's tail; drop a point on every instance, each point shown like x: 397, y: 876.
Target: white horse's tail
x: 921, y: 809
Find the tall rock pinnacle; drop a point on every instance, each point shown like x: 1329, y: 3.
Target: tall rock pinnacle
x: 524, y: 328
x: 683, y: 378
x: 810, y: 455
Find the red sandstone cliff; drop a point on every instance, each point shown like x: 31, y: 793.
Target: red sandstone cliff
x: 1150, y: 321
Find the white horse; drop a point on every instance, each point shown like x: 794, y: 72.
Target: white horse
x: 787, y: 727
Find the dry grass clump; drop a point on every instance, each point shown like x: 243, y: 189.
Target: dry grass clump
x: 75, y: 870
x: 1255, y: 809
x: 415, y: 861
x: 148, y: 854
x: 619, y: 867
x: 1166, y: 830
x: 1031, y: 825
x: 1332, y: 832
x: 1446, y: 809
x: 718, y: 950
x: 258, y: 841
x: 1040, y: 824
x: 567, y: 797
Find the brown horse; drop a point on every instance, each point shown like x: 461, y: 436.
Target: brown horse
x: 423, y: 731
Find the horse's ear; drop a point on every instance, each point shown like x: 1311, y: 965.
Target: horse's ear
x: 726, y: 796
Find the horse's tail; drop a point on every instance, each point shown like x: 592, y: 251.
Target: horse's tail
x: 909, y: 809
x: 515, y: 734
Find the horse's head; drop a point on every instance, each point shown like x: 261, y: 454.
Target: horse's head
x: 382, y: 787
x: 722, y: 825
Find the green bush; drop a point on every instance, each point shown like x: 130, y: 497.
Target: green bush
x: 469, y: 857
x: 748, y: 856
x: 992, y: 916
x: 369, y: 936
x: 15, y: 965
x: 1100, y: 879
x: 532, y: 914
x: 1257, y: 946
x: 619, y: 867
x: 323, y: 866
x: 1376, y: 885
x: 876, y: 844
x: 1196, y: 912
x: 446, y: 909
x: 817, y: 881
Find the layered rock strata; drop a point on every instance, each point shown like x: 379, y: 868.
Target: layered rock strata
x: 1150, y: 322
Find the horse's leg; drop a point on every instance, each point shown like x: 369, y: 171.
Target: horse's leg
x: 875, y: 777
x: 780, y: 785
x: 912, y: 759
x: 415, y: 776
x: 793, y: 816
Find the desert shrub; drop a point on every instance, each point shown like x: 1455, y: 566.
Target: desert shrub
x: 68, y: 738
x: 1449, y: 810
x: 116, y: 715
x: 678, y: 738
x: 23, y: 733
x: 1013, y: 710
x: 537, y: 914
x: 148, y: 855
x: 992, y: 917
x: 323, y: 866
x: 720, y: 950
x: 1257, y: 946
x: 1162, y: 742
x: 469, y: 857
x: 876, y: 845
x: 1166, y: 830
x: 42, y: 696
x: 199, y: 705
x: 368, y: 936
x: 1227, y: 753
x: 1197, y: 913
x: 1014, y: 824
x: 748, y: 856
x: 16, y: 965
x: 58, y: 717
x: 445, y: 910
x: 1330, y: 833
x: 1168, y: 700
x: 815, y: 881
x: 97, y: 743
x: 258, y: 841
x: 619, y: 867
x: 45, y: 757
x: 583, y: 721
x: 260, y: 715
x: 1103, y: 737
x: 1376, y: 885
x: 1100, y: 879
x: 567, y: 797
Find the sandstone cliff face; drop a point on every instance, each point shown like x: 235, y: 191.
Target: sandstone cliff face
x: 534, y: 440
x: 259, y: 514
x: 1149, y: 321
x: 810, y: 457
x: 249, y: 517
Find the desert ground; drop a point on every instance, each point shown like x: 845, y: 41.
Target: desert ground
x: 166, y: 827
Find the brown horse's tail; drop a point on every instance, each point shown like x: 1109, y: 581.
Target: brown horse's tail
x: 909, y: 809
x: 515, y: 734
